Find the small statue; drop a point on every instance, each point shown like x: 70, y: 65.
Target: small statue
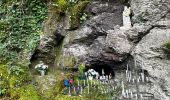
x: 126, y: 18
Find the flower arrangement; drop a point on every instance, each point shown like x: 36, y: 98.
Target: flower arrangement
x: 41, y: 68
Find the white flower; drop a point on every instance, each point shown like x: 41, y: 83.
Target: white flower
x: 44, y: 67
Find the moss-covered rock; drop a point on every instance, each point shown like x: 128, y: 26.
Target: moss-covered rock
x: 25, y: 93
x: 75, y: 13
x: 13, y: 78
x: 62, y: 5
x: 69, y: 61
x: 166, y: 48
x: 167, y: 45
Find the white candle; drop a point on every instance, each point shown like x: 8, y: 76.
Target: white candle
x: 133, y: 80
x: 74, y: 89
x: 138, y: 80
x: 143, y: 77
x: 127, y: 93
x: 123, y: 91
x: 69, y: 91
x: 130, y: 75
x: 81, y: 90
x: 113, y: 88
x: 131, y: 94
x: 136, y: 96
x: 127, y: 75
x: 147, y: 79
x: 141, y: 96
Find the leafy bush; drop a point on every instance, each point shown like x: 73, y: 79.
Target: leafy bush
x: 83, y: 17
x: 25, y: 93
x: 2, y: 91
x: 81, y: 68
x: 21, y: 23
x: 167, y: 45
x: 16, y: 70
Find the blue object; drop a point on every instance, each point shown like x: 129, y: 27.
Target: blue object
x: 66, y: 82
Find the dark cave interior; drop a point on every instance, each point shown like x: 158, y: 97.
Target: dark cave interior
x: 107, y: 69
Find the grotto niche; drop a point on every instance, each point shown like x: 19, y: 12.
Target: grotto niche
x: 108, y: 69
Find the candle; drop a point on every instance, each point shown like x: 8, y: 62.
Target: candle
x: 131, y: 94
x: 133, y: 80
x: 136, y: 95
x: 123, y: 91
x: 127, y: 93
x: 88, y: 89
x: 113, y: 88
x: 138, y: 80
x: 143, y: 77
x: 130, y: 75
x: 127, y: 75
x: 141, y: 96
x: 69, y: 91
x: 147, y: 79
x: 81, y: 90
x: 74, y: 89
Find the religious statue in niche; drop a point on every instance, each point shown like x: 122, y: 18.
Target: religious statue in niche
x: 126, y: 18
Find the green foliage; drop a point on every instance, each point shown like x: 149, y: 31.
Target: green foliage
x: 75, y: 13
x: 25, y: 93
x: 73, y: 8
x: 167, y: 45
x: 3, y: 85
x: 166, y: 49
x: 20, y: 25
x: 16, y: 70
x: 81, y: 68
x: 83, y: 17
x: 62, y: 5
x: 12, y: 77
x: 2, y: 91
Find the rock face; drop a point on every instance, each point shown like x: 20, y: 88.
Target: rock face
x: 99, y: 40
x: 151, y: 30
x: 147, y: 10
x: 91, y: 41
x: 149, y: 50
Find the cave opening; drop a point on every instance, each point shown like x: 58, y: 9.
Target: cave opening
x: 98, y: 68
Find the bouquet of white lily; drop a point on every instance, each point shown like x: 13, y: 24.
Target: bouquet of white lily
x: 42, y: 68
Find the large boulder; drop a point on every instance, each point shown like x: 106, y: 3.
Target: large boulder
x: 88, y: 41
x: 149, y: 50
x: 118, y: 41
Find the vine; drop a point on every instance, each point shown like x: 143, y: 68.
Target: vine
x: 20, y: 27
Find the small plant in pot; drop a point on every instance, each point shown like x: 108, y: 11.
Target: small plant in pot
x: 41, y: 68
